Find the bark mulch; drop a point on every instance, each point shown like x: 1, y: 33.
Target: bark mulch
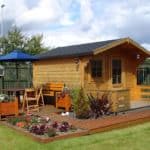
x: 105, y: 121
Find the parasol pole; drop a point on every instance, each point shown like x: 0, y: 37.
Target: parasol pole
x: 17, y: 77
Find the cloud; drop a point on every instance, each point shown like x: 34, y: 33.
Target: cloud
x: 86, y: 14
x: 42, y: 14
x: 44, y: 11
x: 147, y: 46
x: 81, y: 21
x: 136, y: 22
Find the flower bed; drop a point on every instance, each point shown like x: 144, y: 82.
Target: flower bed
x: 42, y: 128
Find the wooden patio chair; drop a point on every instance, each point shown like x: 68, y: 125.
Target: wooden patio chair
x: 32, y: 96
x: 40, y: 96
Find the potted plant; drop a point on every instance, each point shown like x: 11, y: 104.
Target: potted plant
x: 63, y: 99
x: 8, y: 105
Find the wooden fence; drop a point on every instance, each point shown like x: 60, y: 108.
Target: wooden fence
x: 11, y: 80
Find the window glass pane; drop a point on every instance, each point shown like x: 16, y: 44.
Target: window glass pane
x: 143, y: 76
x: 116, y: 71
x: 96, y: 68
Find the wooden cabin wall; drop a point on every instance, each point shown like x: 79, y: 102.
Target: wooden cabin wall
x: 73, y: 74
x: 57, y: 70
x: 129, y: 64
x: 90, y: 83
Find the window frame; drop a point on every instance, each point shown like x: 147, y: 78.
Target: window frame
x: 141, y: 74
x: 118, y: 76
x: 98, y: 73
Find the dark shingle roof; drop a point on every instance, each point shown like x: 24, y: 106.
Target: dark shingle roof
x: 74, y: 50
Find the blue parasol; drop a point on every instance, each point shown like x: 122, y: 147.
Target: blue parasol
x: 17, y: 56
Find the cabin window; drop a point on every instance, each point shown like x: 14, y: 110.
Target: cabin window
x: 96, y: 68
x: 116, y: 71
x: 143, y: 76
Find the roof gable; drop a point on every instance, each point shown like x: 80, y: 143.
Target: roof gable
x: 120, y: 42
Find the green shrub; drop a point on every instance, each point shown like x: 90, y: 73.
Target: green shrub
x: 34, y: 120
x: 81, y: 105
x: 51, y: 132
x: 73, y: 128
x: 14, y: 120
x: 74, y: 94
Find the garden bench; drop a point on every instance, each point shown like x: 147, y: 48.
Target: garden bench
x: 50, y: 89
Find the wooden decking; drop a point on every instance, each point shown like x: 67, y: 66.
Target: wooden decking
x: 137, y: 104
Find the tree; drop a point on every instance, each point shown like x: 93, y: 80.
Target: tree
x: 35, y: 46
x: 15, y: 39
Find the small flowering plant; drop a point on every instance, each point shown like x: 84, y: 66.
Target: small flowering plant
x: 41, y: 125
x: 5, y: 98
x: 63, y: 127
x: 65, y: 91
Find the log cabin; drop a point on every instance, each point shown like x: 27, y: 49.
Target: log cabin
x: 98, y: 67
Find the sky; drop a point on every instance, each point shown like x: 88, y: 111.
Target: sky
x: 69, y: 22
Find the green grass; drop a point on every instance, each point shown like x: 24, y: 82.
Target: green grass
x: 131, y: 138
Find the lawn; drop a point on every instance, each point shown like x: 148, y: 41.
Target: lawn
x: 131, y: 138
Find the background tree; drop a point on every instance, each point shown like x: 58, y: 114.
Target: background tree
x: 16, y: 40
x: 35, y: 46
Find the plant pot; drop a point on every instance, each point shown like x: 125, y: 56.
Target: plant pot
x: 64, y: 102
x: 9, y: 108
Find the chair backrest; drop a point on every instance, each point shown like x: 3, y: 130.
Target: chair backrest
x: 30, y: 92
x: 51, y: 87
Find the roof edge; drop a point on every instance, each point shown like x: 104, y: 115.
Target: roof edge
x: 139, y: 46
x: 65, y: 56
